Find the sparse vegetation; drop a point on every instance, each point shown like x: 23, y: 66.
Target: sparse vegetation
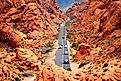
x: 69, y: 23
x: 27, y: 74
x: 42, y: 59
x: 49, y: 44
x: 17, y: 79
x: 114, y: 37
x: 112, y: 55
x: 10, y: 50
x: 84, y: 63
x: 20, y: 68
x: 47, y: 48
x: 75, y: 45
x: 30, y: 48
x: 70, y: 33
x: 68, y: 69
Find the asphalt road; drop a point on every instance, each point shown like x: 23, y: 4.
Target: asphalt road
x: 58, y: 59
x: 62, y: 58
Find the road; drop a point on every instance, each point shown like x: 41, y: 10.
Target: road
x: 62, y: 58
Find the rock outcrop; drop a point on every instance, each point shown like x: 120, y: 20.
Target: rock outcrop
x: 29, y: 23
x: 25, y: 27
x: 97, y: 24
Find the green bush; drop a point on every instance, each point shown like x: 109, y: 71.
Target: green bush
x: 10, y: 50
x: 83, y: 63
x: 49, y: 44
x: 70, y: 33
x: 17, y: 79
x: 27, y: 74
x: 20, y: 68
x: 75, y: 45
x: 70, y: 23
x: 47, y: 48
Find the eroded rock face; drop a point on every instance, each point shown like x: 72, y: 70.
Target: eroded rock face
x: 82, y: 51
x: 97, y: 23
x: 26, y: 54
x: 8, y: 34
x: 25, y: 27
x: 21, y: 19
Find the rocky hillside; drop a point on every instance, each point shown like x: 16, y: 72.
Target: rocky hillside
x: 28, y: 23
x: 96, y: 35
x: 25, y: 27
x: 76, y: 10
x: 29, y: 26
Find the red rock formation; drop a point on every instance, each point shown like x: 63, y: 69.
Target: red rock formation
x: 24, y: 18
x: 98, y: 25
x: 26, y: 25
x: 82, y: 51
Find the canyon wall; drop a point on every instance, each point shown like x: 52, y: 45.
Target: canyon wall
x: 26, y: 26
x: 96, y: 35
x: 29, y: 23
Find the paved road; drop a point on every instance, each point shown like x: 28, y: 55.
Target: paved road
x: 62, y: 58
x: 58, y: 59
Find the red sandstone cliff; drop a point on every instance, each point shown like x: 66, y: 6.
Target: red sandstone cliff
x: 26, y: 25
x: 29, y: 23
x: 97, y: 32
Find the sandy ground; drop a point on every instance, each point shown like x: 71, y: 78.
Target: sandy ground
x: 74, y: 66
x: 49, y: 61
x: 60, y: 72
x: 52, y: 56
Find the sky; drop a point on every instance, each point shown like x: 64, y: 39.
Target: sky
x: 65, y: 3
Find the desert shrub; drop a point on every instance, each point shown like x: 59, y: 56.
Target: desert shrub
x: 17, y: 79
x: 10, y: 50
x: 84, y: 63
x: 70, y: 33
x: 75, y: 45
x: 70, y: 23
x: 27, y: 74
x: 47, y: 48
